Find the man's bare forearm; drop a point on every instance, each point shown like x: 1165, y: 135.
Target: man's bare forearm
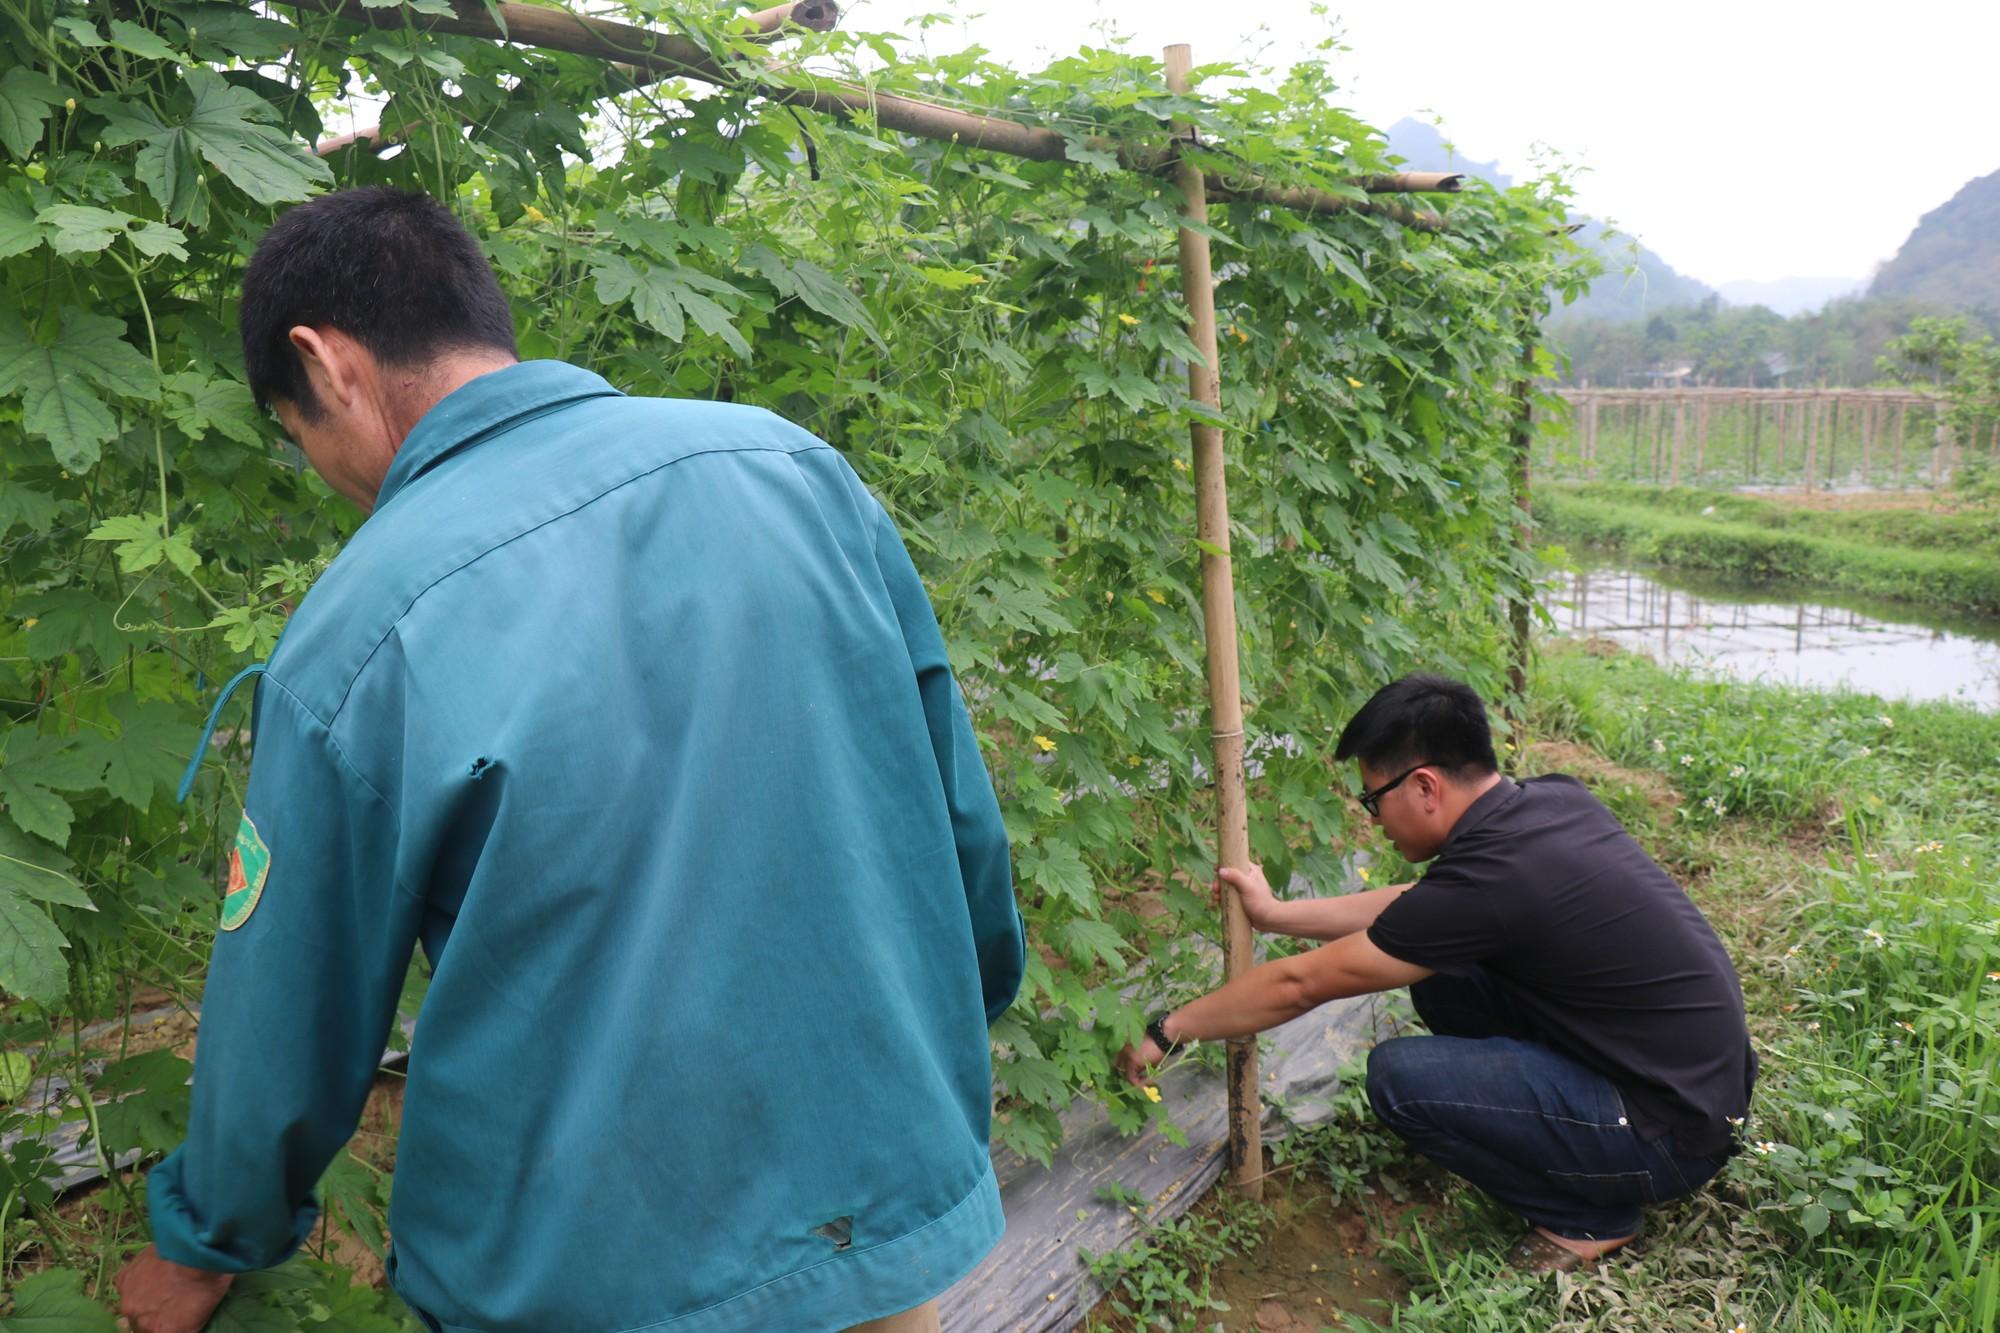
x: 1330, y: 918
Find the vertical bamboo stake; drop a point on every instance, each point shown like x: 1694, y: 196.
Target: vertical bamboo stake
x: 1701, y: 441
x: 1814, y: 408
x: 1680, y: 436
x: 1902, y: 420
x: 1524, y: 535
x: 1868, y: 439
x: 1218, y: 604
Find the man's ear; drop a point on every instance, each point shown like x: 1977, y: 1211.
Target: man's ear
x: 332, y: 363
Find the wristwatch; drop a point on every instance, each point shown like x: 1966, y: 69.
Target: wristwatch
x: 1156, y: 1032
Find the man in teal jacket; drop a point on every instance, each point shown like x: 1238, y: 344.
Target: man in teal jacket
x: 634, y: 713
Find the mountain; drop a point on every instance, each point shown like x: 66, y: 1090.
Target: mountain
x: 1790, y: 296
x: 1652, y: 286
x: 1952, y: 259
x: 1424, y: 149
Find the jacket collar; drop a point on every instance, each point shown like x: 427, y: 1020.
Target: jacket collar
x: 481, y: 406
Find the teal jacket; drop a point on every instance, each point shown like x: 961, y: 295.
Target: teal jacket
x: 635, y: 714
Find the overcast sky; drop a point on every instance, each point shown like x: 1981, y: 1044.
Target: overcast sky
x: 1757, y: 140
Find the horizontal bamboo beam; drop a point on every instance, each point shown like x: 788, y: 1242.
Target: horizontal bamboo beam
x: 660, y: 55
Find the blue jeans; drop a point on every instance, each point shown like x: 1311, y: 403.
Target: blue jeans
x: 1534, y: 1129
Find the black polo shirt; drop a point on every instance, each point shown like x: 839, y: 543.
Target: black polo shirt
x: 1541, y: 887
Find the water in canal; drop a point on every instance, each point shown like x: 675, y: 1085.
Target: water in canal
x: 1756, y: 631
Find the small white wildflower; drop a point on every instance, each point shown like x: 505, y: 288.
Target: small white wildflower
x: 1865, y: 752
x: 1886, y: 721
x: 1813, y: 1026
x: 1765, y: 1147
x: 1874, y: 937
x: 1737, y: 770
x: 1735, y: 1120
x: 1659, y: 746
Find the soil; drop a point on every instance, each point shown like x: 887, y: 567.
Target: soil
x: 1318, y: 1261
x: 1596, y: 771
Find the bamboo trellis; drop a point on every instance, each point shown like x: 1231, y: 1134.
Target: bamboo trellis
x: 1832, y: 437
x: 640, y: 55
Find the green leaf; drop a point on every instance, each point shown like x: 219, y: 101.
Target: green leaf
x: 951, y: 279
x: 228, y: 128
x: 229, y: 32
x: 25, y: 98
x: 31, y: 961
x: 146, y: 758
x: 157, y: 238
x: 149, y: 1106
x: 243, y: 1311
x: 53, y: 1302
x: 1060, y: 872
x: 1813, y: 1220
x: 32, y: 869
x: 72, y: 620
x: 1077, y: 151
x: 814, y: 286
x: 137, y: 40
x: 143, y: 542
x: 664, y: 298
x: 82, y: 32
x: 20, y: 232
x: 34, y: 805
x: 17, y: 1075
x: 199, y: 403
x: 75, y: 229
x: 1035, y: 1080
x: 1084, y: 939
x: 55, y: 381
x: 32, y: 509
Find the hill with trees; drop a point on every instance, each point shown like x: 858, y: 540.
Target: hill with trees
x: 1952, y: 259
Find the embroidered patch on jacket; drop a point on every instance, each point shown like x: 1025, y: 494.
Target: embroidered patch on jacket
x: 249, y: 867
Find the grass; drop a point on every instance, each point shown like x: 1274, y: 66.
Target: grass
x: 1942, y: 558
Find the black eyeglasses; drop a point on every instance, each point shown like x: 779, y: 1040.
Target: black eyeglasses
x: 1371, y: 801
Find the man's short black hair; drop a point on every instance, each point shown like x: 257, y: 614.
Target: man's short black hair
x: 1422, y: 719
x: 391, y: 269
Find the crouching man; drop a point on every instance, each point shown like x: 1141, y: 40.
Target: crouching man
x: 1588, y: 1054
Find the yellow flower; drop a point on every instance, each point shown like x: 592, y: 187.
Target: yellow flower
x: 1241, y: 336
x: 1157, y: 595
x: 1180, y: 465
x: 1364, y: 874
x: 1044, y: 744
x: 1353, y: 383
x: 31, y: 622
x: 1129, y: 321
x: 1152, y: 1093
x: 533, y: 214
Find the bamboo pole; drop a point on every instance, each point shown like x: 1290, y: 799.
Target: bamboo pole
x: 1902, y: 421
x: 1218, y: 604
x: 648, y: 55
x: 1680, y: 438
x: 1524, y: 533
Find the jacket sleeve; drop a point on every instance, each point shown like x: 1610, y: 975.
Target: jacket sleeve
x: 976, y: 825
x: 302, y: 988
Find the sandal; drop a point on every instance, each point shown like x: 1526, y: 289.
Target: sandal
x: 1536, y: 1253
